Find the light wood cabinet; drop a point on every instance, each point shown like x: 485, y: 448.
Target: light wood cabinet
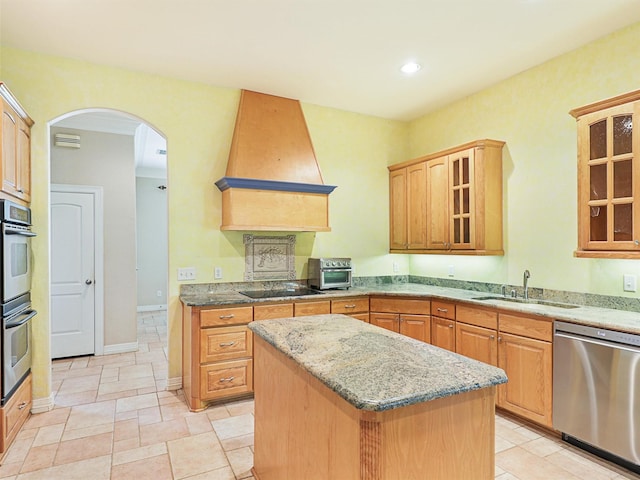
x: 15, y: 172
x: 408, y: 197
x: 406, y: 315
x: 525, y: 353
x: 443, y: 324
x: 271, y: 311
x: 609, y: 178
x: 476, y: 333
x: 356, y: 307
x: 14, y: 414
x: 461, y: 201
x: 321, y: 307
x: 217, y: 350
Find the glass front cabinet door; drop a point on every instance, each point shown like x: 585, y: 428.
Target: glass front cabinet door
x: 608, y: 178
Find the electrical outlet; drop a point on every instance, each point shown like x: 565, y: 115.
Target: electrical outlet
x: 159, y: 293
x: 451, y: 270
x: 629, y: 282
x: 217, y: 273
x: 396, y: 267
x: 187, y: 273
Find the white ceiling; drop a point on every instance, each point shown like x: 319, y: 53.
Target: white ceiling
x: 344, y: 54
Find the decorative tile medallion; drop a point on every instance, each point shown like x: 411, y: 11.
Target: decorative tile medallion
x: 269, y: 258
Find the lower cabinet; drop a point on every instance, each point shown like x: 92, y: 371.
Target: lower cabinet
x: 525, y: 353
x: 477, y: 334
x: 443, y: 325
x: 356, y: 307
x: 406, y: 315
x: 217, y: 350
x: 14, y: 414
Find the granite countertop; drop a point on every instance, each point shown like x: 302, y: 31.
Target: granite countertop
x: 372, y: 368
x: 621, y: 320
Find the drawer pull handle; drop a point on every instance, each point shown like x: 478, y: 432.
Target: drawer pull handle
x: 22, y: 405
x: 227, y: 344
x: 451, y: 325
x: 443, y: 310
x: 350, y: 306
x: 223, y: 317
x: 225, y: 380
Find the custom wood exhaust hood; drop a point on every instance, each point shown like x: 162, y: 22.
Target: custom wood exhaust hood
x: 273, y: 181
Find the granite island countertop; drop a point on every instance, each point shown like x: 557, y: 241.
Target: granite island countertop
x: 598, y: 317
x: 373, y: 368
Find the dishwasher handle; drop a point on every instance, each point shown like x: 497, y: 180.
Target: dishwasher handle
x: 595, y: 341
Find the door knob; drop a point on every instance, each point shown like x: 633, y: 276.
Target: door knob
x: 88, y: 282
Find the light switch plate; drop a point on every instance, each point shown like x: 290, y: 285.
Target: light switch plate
x: 629, y: 282
x: 187, y: 273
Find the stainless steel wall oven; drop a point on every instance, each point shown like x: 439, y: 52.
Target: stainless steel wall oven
x: 15, y: 295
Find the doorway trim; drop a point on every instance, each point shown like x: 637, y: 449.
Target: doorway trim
x: 98, y: 258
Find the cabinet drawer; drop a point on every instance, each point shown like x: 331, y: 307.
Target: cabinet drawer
x: 268, y: 312
x: 224, y: 343
x: 532, y: 327
x: 300, y: 309
x: 443, y: 309
x: 15, y: 413
x: 477, y: 316
x: 225, y: 316
x: 409, y: 305
x: 363, y: 317
x: 350, y: 305
x: 225, y: 379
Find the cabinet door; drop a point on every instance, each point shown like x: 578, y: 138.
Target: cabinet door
x: 443, y: 333
x: 417, y: 206
x: 527, y: 363
x: 477, y: 342
x: 437, y: 203
x: 10, y: 127
x: 398, y: 209
x: 416, y: 326
x: 24, y: 161
x: 461, y: 200
x: 609, y: 179
x: 390, y: 321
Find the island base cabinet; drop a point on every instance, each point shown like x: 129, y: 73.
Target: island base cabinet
x: 304, y: 430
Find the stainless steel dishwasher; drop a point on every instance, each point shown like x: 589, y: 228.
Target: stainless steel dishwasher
x: 596, y: 391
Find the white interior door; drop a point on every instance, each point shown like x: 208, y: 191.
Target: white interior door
x: 73, y: 285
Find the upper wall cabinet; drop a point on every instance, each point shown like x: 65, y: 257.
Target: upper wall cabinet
x: 609, y: 178
x: 449, y: 202
x: 15, y: 148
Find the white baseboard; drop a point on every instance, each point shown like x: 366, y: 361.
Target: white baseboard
x: 42, y: 405
x: 151, y: 308
x: 120, y: 348
x: 174, y: 383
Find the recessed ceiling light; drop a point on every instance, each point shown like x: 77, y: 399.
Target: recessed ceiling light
x: 410, y: 67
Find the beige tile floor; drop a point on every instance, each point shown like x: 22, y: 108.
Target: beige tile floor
x: 113, y: 419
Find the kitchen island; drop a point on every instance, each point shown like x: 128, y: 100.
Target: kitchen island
x: 336, y: 398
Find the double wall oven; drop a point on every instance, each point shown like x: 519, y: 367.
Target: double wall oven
x: 16, y: 263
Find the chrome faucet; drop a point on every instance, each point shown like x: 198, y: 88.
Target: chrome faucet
x: 525, y: 282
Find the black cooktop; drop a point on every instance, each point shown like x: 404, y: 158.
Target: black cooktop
x: 298, y: 292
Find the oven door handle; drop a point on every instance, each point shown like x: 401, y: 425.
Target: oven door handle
x: 23, y: 233
x: 21, y: 320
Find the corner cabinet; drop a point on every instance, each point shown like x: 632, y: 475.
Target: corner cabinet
x: 609, y: 178
x: 449, y: 202
x: 15, y: 148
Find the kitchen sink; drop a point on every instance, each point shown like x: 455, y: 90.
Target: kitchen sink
x: 530, y: 301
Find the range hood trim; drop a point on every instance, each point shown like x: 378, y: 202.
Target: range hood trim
x: 251, y: 183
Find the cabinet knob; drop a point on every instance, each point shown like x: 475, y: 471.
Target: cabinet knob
x: 491, y: 337
x: 451, y: 325
x: 636, y: 242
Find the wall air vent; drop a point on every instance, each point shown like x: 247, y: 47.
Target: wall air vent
x: 66, y: 140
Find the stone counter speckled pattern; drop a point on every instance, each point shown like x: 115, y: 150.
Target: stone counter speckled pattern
x: 372, y: 368
x: 622, y: 320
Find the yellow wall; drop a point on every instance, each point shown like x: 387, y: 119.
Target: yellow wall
x: 530, y: 113
x: 197, y: 121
